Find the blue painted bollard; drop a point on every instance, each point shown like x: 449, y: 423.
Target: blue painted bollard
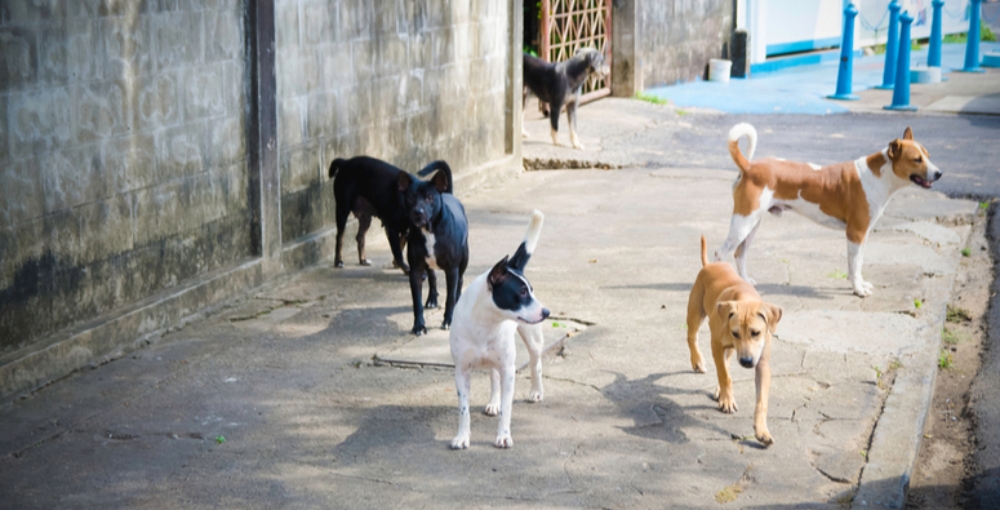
x: 846, y: 71
x: 891, y: 47
x: 972, y: 41
x: 901, y: 93
x: 934, y: 51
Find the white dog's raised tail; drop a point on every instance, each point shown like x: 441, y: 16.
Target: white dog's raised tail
x: 534, y: 230
x: 739, y: 131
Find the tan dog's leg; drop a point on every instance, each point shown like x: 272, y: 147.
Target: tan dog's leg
x: 555, y: 137
x: 364, y: 221
x: 724, y: 393
x: 763, y: 381
x: 695, y: 316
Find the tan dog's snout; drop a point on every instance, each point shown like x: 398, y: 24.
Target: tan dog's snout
x: 749, y: 324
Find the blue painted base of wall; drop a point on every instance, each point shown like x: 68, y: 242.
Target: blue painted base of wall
x: 802, y: 59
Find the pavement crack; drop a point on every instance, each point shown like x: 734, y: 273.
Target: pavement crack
x: 566, y: 379
x: 833, y: 478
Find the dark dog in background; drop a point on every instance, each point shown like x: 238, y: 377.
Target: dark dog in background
x: 438, y: 238
x: 560, y: 84
x: 369, y: 187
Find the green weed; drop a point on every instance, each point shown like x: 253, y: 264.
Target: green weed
x: 945, y: 361
x: 966, y: 252
x: 956, y: 315
x: 838, y: 275
x: 650, y: 98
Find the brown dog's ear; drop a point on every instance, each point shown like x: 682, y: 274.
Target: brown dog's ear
x: 895, y: 148
x: 725, y: 309
x: 908, y: 134
x: 404, y: 181
x: 772, y: 313
x: 497, y: 274
x: 440, y: 181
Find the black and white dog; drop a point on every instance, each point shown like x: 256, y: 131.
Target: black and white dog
x: 438, y: 238
x: 559, y: 84
x: 368, y: 187
x: 496, y: 304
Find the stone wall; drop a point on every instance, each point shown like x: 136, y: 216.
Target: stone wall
x: 678, y: 37
x: 407, y: 81
x: 663, y: 42
x: 122, y: 154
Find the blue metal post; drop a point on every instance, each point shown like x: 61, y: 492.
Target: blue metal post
x: 891, y: 47
x: 972, y: 44
x: 934, y: 52
x: 846, y: 71
x: 901, y: 94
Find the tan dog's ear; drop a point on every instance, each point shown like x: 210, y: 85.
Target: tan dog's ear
x: 725, y: 309
x: 772, y: 313
x: 908, y: 134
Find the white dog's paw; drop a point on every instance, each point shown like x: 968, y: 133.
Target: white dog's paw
x: 460, y: 443
x: 717, y: 256
x: 535, y: 397
x: 504, y: 441
x: 863, y: 288
x: 492, y: 409
x: 751, y: 281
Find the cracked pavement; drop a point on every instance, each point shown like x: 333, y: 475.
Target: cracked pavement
x: 275, y: 401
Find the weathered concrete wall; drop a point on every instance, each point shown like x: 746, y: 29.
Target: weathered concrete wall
x: 662, y: 42
x: 122, y: 154
x: 407, y: 81
x: 678, y: 37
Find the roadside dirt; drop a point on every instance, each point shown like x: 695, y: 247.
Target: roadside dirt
x: 948, y: 442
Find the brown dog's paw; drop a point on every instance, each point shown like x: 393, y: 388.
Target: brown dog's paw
x: 727, y: 404
x: 698, y: 364
x: 765, y: 437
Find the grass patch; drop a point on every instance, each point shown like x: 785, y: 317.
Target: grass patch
x: 966, y: 252
x: 917, y: 303
x: 838, y: 275
x: 953, y: 337
x: 650, y: 98
x: 945, y: 361
x: 956, y: 315
x: 985, y: 34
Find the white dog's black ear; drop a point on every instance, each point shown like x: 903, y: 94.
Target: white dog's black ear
x: 498, y: 274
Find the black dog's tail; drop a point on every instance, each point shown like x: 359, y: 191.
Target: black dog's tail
x: 438, y: 165
x: 336, y: 165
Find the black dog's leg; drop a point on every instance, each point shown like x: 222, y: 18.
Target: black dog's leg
x: 343, y: 210
x: 416, y: 281
x: 554, y: 109
x: 364, y: 221
x: 432, y: 295
x: 452, y: 279
x: 396, y: 243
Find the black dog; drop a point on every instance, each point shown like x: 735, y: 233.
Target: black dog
x: 560, y: 84
x: 368, y: 187
x: 438, y: 238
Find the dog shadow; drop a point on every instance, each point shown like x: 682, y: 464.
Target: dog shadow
x: 657, y: 416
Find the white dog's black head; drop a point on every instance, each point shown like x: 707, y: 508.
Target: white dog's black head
x: 422, y: 199
x: 512, y: 294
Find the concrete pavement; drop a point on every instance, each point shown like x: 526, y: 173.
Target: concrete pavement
x: 278, y: 401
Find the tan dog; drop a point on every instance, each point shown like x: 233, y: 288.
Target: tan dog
x: 847, y: 196
x: 740, y: 322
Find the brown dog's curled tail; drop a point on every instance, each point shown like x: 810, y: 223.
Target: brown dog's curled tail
x: 739, y: 131
x: 704, y: 252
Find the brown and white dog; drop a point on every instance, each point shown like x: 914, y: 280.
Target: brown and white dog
x: 848, y: 196
x: 740, y: 322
